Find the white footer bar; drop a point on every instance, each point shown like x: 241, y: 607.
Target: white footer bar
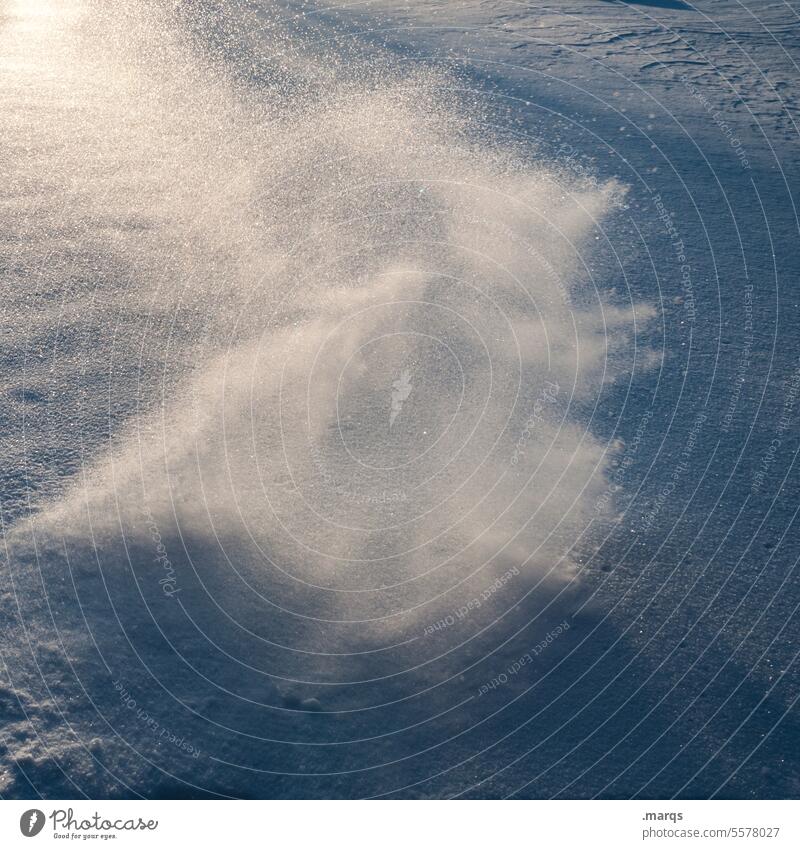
x: 401, y: 824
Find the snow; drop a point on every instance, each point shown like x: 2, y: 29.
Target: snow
x: 568, y: 230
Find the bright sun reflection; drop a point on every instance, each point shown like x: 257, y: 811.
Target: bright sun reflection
x: 34, y: 8
x: 30, y: 33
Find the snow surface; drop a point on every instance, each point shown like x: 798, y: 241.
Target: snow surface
x: 244, y: 555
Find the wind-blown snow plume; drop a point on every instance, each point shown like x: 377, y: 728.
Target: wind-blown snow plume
x: 264, y: 263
